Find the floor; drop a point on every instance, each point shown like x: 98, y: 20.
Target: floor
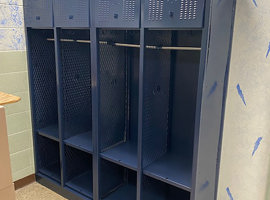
x: 36, y: 191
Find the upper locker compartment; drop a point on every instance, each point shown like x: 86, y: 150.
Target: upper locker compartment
x: 71, y: 13
x: 117, y: 13
x: 38, y: 13
x: 173, y: 13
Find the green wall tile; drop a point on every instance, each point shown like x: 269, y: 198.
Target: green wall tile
x: 20, y: 141
x: 14, y: 82
x: 23, y: 173
x: 21, y: 160
x: 18, y: 122
x: 13, y: 61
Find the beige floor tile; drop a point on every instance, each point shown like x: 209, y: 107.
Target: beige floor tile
x: 36, y: 191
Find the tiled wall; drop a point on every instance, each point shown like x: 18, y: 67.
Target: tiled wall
x: 13, y: 79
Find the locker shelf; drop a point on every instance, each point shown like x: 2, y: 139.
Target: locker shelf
x: 172, y: 170
x: 81, y: 141
x: 156, y: 190
x: 117, y: 181
x: 124, y: 154
x: 52, y: 171
x: 82, y: 183
x: 50, y: 131
x: 124, y: 191
x: 78, y: 171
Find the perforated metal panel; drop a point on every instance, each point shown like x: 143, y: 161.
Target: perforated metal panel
x: 76, y: 79
x: 38, y: 13
x: 156, y: 97
x: 117, y: 13
x: 71, y: 13
x: 112, y: 89
x: 173, y: 13
x: 44, y: 78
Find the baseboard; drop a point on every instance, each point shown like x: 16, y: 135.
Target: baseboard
x: 24, y: 181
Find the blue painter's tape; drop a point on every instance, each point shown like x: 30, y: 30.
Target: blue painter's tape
x: 268, y: 51
x: 241, y: 94
x: 257, y: 144
x: 204, y: 186
x: 255, y: 3
x: 213, y: 89
x: 3, y: 21
x: 229, y: 193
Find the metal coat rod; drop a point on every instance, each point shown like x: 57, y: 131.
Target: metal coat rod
x: 132, y: 45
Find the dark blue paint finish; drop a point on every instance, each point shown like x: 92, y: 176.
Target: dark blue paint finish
x: 240, y: 92
x: 219, y: 1
x: 71, y: 13
x: 117, y: 13
x: 256, y: 145
x: 204, y: 186
x: 173, y: 14
x: 158, y: 92
x: 268, y: 51
x: 38, y: 13
x: 213, y: 89
x: 229, y: 193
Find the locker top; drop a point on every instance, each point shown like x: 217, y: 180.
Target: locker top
x: 115, y: 13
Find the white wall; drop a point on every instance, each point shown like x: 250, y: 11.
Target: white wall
x: 246, y: 176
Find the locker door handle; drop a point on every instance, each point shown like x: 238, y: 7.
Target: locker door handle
x: 37, y: 17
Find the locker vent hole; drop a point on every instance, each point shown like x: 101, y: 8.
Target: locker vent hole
x: 129, y: 10
x: 155, y: 10
x: 188, y: 9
